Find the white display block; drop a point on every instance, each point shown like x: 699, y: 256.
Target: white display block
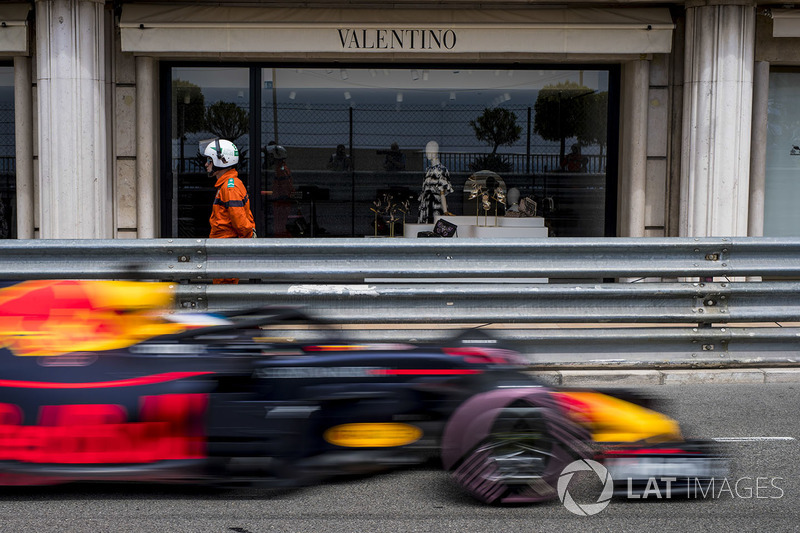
x: 410, y: 230
x: 469, y: 220
x: 502, y: 232
x: 521, y: 222
x: 506, y: 228
x: 460, y: 220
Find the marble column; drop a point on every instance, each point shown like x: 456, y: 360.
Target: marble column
x: 23, y: 132
x: 758, y: 149
x: 75, y: 188
x: 632, y: 200
x: 717, y: 116
x: 147, y: 206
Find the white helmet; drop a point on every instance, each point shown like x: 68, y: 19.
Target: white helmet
x: 277, y: 151
x: 223, y: 153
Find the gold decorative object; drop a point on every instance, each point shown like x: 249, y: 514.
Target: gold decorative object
x: 500, y: 198
x: 379, y: 210
x: 483, y: 198
x: 386, y: 208
x: 475, y: 192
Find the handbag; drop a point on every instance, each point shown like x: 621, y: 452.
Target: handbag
x: 443, y: 228
x: 527, y: 207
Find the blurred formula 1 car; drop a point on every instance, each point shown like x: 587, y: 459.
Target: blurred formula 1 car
x: 101, y: 382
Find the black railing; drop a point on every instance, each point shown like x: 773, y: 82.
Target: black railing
x: 464, y: 162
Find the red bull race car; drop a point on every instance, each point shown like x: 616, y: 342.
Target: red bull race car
x: 102, y: 381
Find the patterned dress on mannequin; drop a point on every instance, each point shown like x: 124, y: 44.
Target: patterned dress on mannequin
x: 437, y: 181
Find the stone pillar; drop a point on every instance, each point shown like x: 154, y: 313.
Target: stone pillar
x: 717, y: 114
x: 147, y: 205
x: 75, y: 190
x: 636, y: 86
x: 758, y: 150
x: 23, y: 133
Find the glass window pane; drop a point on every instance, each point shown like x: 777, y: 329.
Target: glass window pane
x: 548, y: 141
x: 782, y: 187
x: 8, y: 197
x: 206, y: 102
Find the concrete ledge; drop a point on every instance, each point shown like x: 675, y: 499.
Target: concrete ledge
x: 727, y: 376
x: 781, y: 375
x: 549, y: 377
x: 622, y: 378
x: 642, y: 378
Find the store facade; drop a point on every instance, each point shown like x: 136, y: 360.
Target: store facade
x: 381, y: 119
x: 681, y: 115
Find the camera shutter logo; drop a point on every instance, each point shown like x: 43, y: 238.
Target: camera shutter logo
x: 586, y: 509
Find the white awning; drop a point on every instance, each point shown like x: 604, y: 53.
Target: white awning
x: 14, y: 29
x: 785, y: 23
x: 174, y: 30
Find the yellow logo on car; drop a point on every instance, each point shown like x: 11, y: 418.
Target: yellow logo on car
x: 372, y: 435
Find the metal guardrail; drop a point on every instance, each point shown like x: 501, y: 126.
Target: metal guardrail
x: 415, y: 289
x: 598, y: 347
x: 354, y: 260
x: 453, y: 303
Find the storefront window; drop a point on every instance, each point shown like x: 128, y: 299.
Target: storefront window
x: 205, y: 103
x: 782, y: 187
x: 8, y: 196
x: 353, y: 140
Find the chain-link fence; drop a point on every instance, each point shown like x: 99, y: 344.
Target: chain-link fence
x: 314, y: 129
x: 375, y: 127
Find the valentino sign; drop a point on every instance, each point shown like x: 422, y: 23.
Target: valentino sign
x: 386, y: 39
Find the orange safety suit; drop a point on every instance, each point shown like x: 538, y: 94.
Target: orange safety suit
x: 231, y: 216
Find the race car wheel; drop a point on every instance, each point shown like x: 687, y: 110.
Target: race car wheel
x: 510, y: 445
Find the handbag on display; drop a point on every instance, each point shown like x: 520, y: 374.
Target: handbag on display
x: 443, y: 228
x: 527, y: 207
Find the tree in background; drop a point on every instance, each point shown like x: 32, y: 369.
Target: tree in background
x: 190, y: 112
x: 561, y: 112
x: 594, y: 128
x: 227, y: 120
x: 496, y: 127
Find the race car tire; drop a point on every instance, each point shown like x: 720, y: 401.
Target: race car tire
x: 510, y: 445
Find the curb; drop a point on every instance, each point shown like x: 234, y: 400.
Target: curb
x: 627, y: 378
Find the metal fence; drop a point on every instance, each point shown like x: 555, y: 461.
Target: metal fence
x: 694, y: 300
x: 378, y: 126
x: 455, y: 162
x: 521, y: 163
x: 303, y: 128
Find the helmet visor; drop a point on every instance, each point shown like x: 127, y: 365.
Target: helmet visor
x: 205, y: 143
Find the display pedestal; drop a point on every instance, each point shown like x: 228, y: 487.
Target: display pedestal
x: 489, y: 221
x: 410, y: 230
x: 506, y: 228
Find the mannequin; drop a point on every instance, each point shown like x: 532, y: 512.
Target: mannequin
x: 513, y: 200
x: 435, y: 186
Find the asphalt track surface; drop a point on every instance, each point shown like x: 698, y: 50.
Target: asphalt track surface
x: 758, y: 423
